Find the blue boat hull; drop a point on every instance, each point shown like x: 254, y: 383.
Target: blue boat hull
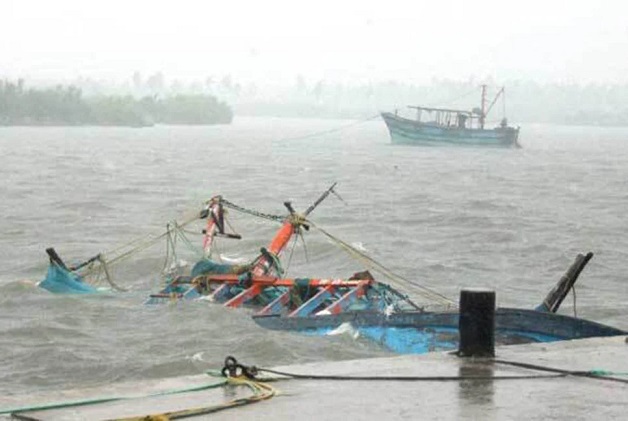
x: 412, y: 132
x: 421, y: 332
x: 61, y: 281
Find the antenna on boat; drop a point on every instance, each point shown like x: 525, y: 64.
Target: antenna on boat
x: 321, y: 198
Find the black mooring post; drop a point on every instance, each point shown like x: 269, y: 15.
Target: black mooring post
x: 477, y: 323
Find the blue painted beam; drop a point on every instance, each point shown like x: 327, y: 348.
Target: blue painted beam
x: 311, y: 304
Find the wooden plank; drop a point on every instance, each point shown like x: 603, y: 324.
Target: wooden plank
x: 310, y: 305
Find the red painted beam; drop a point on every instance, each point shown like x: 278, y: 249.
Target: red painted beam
x: 244, y: 296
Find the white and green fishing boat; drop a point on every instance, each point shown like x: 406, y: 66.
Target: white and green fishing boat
x: 443, y: 126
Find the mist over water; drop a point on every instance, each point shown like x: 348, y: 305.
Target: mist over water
x: 447, y: 218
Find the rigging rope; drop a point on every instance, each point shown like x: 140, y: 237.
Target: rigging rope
x: 378, y: 267
x: 169, y: 246
x: 337, y: 129
x: 434, y: 104
x: 294, y: 244
x: 193, y: 248
x: 172, y: 232
x: 105, y: 268
x: 140, y: 244
x: 151, y: 240
x: 233, y: 206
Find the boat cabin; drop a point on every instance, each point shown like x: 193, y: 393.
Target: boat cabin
x: 448, y: 118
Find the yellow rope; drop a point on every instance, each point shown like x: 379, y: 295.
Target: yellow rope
x: 261, y: 391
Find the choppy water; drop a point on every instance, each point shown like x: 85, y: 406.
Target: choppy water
x: 512, y: 220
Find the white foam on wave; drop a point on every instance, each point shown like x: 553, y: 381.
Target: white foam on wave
x: 178, y: 265
x: 232, y: 260
x: 196, y: 357
x: 345, y: 329
x: 359, y: 246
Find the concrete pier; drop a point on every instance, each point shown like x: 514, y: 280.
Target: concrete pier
x: 531, y: 398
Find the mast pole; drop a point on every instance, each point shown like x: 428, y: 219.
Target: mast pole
x: 483, y: 104
x: 503, y: 103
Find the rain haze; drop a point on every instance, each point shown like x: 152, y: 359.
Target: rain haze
x: 347, y: 41
x: 169, y: 171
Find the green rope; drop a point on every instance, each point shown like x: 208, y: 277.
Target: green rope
x: 600, y: 372
x: 68, y: 404
x: 593, y: 374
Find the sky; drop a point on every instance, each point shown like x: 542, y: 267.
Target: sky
x: 338, y: 41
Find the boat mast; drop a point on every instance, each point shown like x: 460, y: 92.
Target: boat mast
x: 501, y: 92
x: 483, y: 104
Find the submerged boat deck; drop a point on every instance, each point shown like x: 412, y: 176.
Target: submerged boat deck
x: 532, y: 395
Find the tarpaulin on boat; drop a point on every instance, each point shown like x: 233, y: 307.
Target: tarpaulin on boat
x: 60, y: 280
x: 206, y: 266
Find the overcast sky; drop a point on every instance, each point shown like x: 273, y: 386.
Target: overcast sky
x: 272, y: 40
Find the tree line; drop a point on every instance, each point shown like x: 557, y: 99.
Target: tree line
x: 66, y: 105
x: 598, y: 104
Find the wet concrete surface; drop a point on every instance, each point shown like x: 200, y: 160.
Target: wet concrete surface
x: 451, y: 398
x: 571, y: 397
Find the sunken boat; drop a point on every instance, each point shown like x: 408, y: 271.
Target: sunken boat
x: 418, y: 331
x: 376, y: 310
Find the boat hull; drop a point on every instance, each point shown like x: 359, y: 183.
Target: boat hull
x: 412, y: 132
x: 420, y: 332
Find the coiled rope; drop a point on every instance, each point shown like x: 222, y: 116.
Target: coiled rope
x: 261, y: 391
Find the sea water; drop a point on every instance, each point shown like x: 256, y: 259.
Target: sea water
x: 446, y: 218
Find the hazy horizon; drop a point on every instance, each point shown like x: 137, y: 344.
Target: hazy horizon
x: 339, y: 42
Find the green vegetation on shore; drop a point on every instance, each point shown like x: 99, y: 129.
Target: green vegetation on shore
x: 66, y: 105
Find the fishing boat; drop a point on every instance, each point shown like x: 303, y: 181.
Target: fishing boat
x: 443, y: 126
x: 261, y: 284
x: 318, y: 306
x: 360, y: 303
x: 419, y: 331
x: 94, y: 275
